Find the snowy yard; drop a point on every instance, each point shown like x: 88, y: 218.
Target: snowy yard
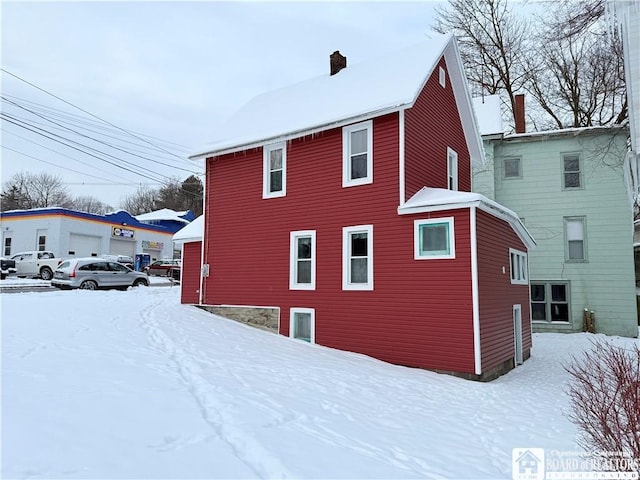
x: 115, y: 385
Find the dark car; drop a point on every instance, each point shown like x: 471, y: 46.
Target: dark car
x: 96, y: 273
x: 7, y: 267
x: 165, y: 268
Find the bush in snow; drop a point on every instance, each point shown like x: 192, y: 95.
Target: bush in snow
x: 604, y: 392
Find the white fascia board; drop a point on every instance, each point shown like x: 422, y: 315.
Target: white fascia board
x: 488, y: 206
x: 404, y: 210
x: 296, y: 134
x: 475, y: 293
x: 464, y: 103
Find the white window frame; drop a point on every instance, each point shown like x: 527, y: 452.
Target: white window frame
x: 442, y: 77
x: 504, y: 168
x: 347, y: 181
x: 583, y: 221
x: 417, y: 255
x: 293, y: 260
x: 518, y: 267
x: 452, y: 169
x: 346, y: 257
x: 579, y: 171
x: 266, y: 170
x: 312, y: 326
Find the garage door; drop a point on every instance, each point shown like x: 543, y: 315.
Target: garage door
x: 122, y: 247
x: 84, y: 245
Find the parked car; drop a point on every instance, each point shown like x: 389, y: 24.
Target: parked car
x: 36, y: 264
x: 168, y: 267
x: 7, y: 267
x: 125, y: 260
x: 96, y: 273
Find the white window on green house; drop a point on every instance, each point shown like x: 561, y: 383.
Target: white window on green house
x: 575, y: 239
x: 512, y: 167
x: 572, y: 171
x: 357, y: 257
x: 357, y: 154
x: 302, y: 263
x: 452, y: 169
x: 274, y: 177
x: 434, y: 239
x: 302, y: 324
x: 550, y: 301
x: 518, y: 267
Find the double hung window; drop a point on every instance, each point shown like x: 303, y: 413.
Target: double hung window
x: 357, y: 257
x: 274, y: 176
x: 302, y: 275
x: 357, y: 154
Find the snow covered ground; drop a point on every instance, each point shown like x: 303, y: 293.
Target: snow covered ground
x: 124, y: 385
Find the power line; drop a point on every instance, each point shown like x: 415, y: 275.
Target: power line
x: 85, y: 111
x: 95, y: 139
x: 51, y: 163
x: 60, y: 153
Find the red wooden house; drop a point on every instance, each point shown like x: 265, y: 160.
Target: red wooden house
x: 344, y: 203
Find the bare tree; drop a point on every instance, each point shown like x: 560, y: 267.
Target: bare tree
x: 26, y: 190
x: 493, y: 44
x: 577, y: 77
x: 90, y: 204
x: 571, y: 65
x: 142, y: 201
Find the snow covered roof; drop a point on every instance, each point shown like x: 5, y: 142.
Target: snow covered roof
x: 386, y: 84
x: 435, y: 199
x: 163, y: 214
x: 191, y: 233
x: 488, y: 114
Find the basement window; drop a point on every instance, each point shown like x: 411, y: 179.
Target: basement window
x: 302, y: 324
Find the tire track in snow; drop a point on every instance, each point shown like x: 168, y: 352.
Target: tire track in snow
x: 213, y: 410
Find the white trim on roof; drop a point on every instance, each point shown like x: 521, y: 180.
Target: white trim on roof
x: 439, y: 199
x: 357, y: 93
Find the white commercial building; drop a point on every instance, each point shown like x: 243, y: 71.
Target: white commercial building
x: 69, y: 233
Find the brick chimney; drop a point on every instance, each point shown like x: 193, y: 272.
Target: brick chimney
x: 337, y: 62
x: 518, y: 113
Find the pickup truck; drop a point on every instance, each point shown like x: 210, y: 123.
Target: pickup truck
x: 36, y: 264
x: 7, y: 267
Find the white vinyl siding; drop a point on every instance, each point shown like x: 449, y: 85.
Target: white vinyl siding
x: 357, y: 154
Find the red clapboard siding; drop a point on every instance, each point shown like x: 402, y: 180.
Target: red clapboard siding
x: 496, y: 293
x: 419, y: 313
x: 432, y: 125
x: 190, y: 281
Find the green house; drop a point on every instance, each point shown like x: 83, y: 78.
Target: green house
x: 568, y: 187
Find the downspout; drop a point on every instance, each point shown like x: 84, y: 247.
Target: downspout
x: 475, y: 300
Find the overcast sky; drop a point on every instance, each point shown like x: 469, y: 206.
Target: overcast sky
x: 169, y: 70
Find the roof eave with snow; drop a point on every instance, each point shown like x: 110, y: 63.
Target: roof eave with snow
x: 252, y: 128
x: 437, y: 199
